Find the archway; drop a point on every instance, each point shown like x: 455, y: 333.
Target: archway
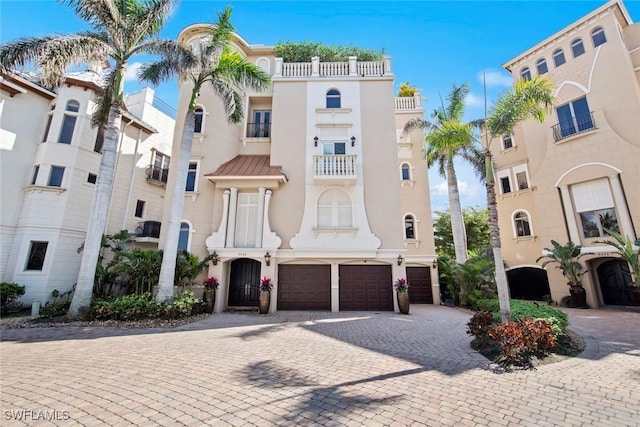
x: 244, y: 283
x: 613, y: 277
x: 528, y: 283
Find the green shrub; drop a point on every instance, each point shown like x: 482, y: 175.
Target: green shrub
x: 523, y: 309
x: 55, y: 309
x: 143, y: 306
x: 521, y: 340
x: 10, y: 291
x: 303, y: 52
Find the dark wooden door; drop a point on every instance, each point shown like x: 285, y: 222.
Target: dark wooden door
x: 244, y: 283
x: 304, y: 287
x: 419, y: 279
x: 366, y: 287
x: 614, y: 276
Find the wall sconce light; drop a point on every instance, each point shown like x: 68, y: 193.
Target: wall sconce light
x: 399, y: 259
x: 315, y: 141
x: 435, y: 264
x: 267, y: 259
x: 353, y: 141
x: 215, y: 258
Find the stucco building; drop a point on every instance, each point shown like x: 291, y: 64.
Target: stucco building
x: 49, y: 158
x: 317, y: 189
x: 576, y: 174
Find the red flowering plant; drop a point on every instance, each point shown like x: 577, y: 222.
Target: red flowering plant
x: 211, y: 284
x: 266, y: 284
x: 401, y: 285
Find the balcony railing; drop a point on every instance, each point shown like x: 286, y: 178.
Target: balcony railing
x: 335, y: 166
x: 148, y: 229
x: 577, y: 125
x: 157, y: 174
x: 258, y: 130
x: 351, y: 68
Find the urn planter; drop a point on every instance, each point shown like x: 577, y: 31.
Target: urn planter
x: 264, y: 301
x: 403, y: 302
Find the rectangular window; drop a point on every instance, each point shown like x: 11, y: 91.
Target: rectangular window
x: 334, y: 148
x: 191, y: 177
x: 573, y: 117
x: 523, y: 182
x: 505, y: 185
x: 68, y: 124
x: 261, y: 126
x: 595, y: 208
x: 507, y: 141
x: 246, y: 220
x: 92, y: 178
x: 47, y: 127
x: 139, y: 208
x: 55, y: 177
x: 159, y: 170
x: 37, y: 252
x: 34, y: 177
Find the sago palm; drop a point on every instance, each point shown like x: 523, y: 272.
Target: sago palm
x: 119, y: 29
x: 213, y: 63
x: 448, y: 137
x: 527, y: 100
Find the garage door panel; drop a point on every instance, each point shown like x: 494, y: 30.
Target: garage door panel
x: 304, y: 287
x: 365, y: 287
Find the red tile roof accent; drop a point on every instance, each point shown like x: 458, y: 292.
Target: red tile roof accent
x: 248, y: 165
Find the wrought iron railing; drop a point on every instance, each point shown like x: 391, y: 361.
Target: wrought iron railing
x: 156, y: 173
x: 338, y: 165
x: 576, y: 125
x: 148, y: 229
x: 258, y: 130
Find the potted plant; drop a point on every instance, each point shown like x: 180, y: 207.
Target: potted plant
x: 209, y: 295
x: 402, y: 292
x: 630, y: 252
x: 567, y: 257
x: 265, y: 295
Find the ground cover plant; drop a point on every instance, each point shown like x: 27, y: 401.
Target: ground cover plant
x: 534, y: 333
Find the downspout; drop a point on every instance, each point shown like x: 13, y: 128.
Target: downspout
x: 131, y: 182
x: 115, y: 168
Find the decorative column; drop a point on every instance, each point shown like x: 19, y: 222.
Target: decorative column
x: 353, y: 65
x: 387, y: 65
x: 231, y: 222
x: 260, y: 216
x: 569, y: 214
x: 624, y: 219
x: 277, y: 72
x: 315, y: 66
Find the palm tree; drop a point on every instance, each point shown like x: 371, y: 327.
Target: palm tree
x: 527, y: 100
x: 211, y: 62
x: 447, y: 138
x: 120, y: 29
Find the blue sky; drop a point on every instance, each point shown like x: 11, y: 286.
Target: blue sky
x: 432, y: 43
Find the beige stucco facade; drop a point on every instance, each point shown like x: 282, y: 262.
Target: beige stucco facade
x: 576, y: 173
x: 49, y: 163
x: 330, y: 195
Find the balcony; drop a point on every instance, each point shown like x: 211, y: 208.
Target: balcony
x: 577, y: 125
x: 157, y: 175
x: 352, y: 68
x: 258, y: 130
x: 334, y: 168
x: 148, y: 231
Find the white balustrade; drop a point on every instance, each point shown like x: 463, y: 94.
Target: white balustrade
x: 332, y: 69
x: 338, y: 165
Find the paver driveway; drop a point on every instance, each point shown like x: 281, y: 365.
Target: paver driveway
x: 301, y: 368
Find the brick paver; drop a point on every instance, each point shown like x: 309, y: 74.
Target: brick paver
x: 303, y: 368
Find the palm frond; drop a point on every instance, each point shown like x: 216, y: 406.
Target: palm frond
x: 100, y: 14
x: 231, y: 99
x: 417, y: 123
x: 103, y: 99
x: 146, y: 19
x: 177, y: 60
x: 456, y: 99
x: 235, y: 69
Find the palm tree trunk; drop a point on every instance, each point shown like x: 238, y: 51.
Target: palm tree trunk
x: 457, y: 222
x: 170, y: 250
x: 494, y: 232
x: 98, y: 218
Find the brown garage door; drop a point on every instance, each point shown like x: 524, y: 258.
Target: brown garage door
x: 304, y: 287
x: 419, y: 279
x: 366, y: 287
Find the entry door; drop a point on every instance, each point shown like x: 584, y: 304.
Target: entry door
x: 419, y: 279
x: 244, y: 284
x: 613, y: 276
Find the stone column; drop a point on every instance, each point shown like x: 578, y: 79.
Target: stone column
x: 260, y: 217
x: 570, y: 214
x: 231, y: 224
x: 624, y: 219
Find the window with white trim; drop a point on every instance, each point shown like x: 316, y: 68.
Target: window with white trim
x: 558, y: 57
x: 47, y: 126
x: 522, y: 177
x: 69, y: 122
x: 246, y: 220
x: 541, y: 66
x: 183, y: 237
x: 333, y: 98
x: 594, y: 207
x: 525, y: 73
x: 55, y: 176
x: 34, y: 175
x: 507, y: 141
x: 334, y: 209
x: 522, y: 224
x: 198, y: 126
x: 192, y: 177
x: 406, y: 172
x: 598, y: 37
x: 577, y: 48
x: 36, y: 255
x: 505, y: 181
x: 409, y: 227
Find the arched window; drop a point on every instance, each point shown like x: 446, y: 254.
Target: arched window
x: 522, y: 224
x: 333, y: 98
x: 409, y: 227
x: 264, y: 65
x: 183, y: 238
x: 199, y: 120
x: 577, y: 47
x: 598, y: 37
x: 69, y: 122
x: 525, y: 73
x: 541, y: 66
x: 558, y: 57
x: 334, y: 209
x: 406, y: 172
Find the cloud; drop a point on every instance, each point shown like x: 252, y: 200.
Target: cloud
x: 132, y: 71
x: 495, y: 78
x: 473, y: 101
x: 442, y: 189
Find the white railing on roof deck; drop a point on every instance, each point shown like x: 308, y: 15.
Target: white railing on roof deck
x: 338, y: 165
x: 351, y: 68
x: 408, y: 102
